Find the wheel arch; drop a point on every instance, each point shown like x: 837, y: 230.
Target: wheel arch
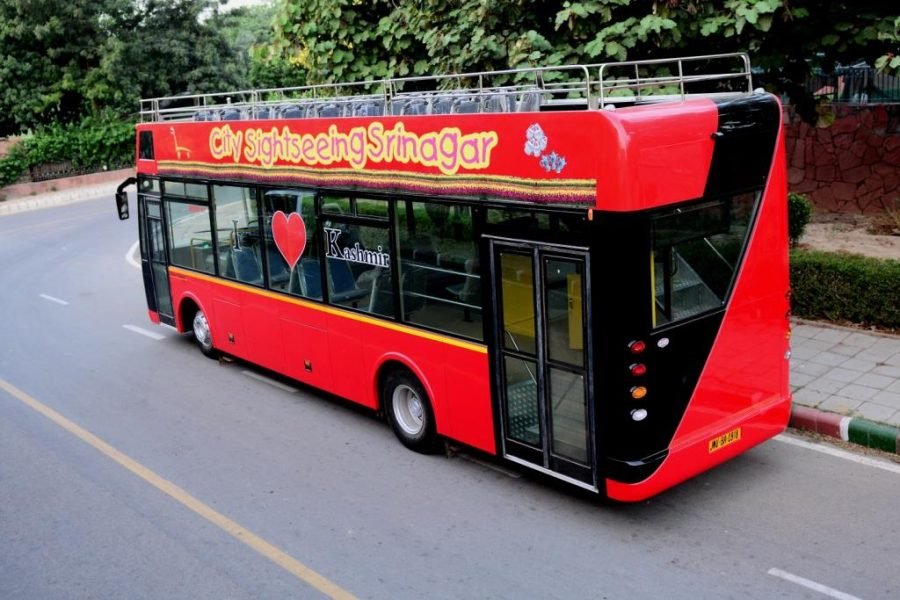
x: 393, y: 361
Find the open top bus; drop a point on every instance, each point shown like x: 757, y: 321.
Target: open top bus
x: 580, y: 269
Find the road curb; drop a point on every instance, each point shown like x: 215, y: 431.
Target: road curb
x: 849, y: 429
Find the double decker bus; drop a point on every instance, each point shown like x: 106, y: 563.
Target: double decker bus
x: 582, y: 269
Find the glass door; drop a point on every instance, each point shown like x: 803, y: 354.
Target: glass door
x: 153, y: 260
x: 542, y: 360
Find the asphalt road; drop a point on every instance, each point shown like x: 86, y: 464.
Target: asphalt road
x: 133, y: 467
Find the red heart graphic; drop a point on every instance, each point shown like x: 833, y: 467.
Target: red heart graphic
x: 290, y: 236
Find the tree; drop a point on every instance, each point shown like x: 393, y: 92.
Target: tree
x: 61, y: 61
x: 47, y: 50
x: 343, y: 40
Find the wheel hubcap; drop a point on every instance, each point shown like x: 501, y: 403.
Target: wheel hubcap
x: 409, y: 410
x: 201, y: 330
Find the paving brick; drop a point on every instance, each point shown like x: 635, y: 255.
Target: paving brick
x: 831, y: 335
x: 798, y: 380
x: 839, y: 404
x: 859, y: 392
x: 808, y: 397
x: 879, y: 382
x: 799, y: 366
x: 876, y: 412
x: 887, y: 371
x: 859, y: 364
x: 888, y: 398
x: 844, y: 375
x: 860, y: 339
x: 831, y: 359
x: 826, y: 386
x: 805, y: 331
x: 845, y: 350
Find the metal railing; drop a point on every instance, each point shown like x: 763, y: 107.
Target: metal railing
x: 593, y: 86
x: 858, y: 84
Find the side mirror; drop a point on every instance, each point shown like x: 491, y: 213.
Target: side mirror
x: 122, y: 204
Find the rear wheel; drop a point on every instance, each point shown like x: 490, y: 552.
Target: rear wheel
x: 409, y: 411
x: 203, y: 334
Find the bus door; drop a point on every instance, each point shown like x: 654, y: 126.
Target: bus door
x: 541, y: 357
x: 153, y: 259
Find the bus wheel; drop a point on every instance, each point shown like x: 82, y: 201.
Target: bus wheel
x: 409, y: 411
x: 202, y: 334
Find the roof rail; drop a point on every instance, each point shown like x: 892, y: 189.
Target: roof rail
x: 566, y: 87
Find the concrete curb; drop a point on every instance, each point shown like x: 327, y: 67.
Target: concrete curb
x: 59, y: 192
x: 849, y: 429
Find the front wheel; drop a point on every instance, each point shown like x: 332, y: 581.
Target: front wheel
x: 409, y: 412
x: 203, y: 334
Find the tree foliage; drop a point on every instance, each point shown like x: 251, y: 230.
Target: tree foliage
x: 60, y: 61
x: 341, y: 40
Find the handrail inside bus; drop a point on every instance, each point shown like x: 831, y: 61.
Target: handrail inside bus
x: 566, y: 87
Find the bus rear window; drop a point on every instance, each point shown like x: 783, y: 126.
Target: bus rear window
x: 696, y: 251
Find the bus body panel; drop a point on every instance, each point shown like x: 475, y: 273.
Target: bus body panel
x: 342, y: 353
x: 743, y: 394
x: 664, y: 154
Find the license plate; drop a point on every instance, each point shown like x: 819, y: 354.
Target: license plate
x: 724, y: 440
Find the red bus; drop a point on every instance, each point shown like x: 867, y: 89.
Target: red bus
x: 582, y: 269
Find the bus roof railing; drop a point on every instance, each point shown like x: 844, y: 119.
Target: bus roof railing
x: 593, y: 86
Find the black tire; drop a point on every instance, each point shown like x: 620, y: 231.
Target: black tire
x: 203, y: 334
x: 409, y: 412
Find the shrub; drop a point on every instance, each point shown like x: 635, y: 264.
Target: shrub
x: 845, y: 287
x: 799, y: 211
x: 94, y: 143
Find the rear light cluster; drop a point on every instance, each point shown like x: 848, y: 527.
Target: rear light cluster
x: 636, y: 370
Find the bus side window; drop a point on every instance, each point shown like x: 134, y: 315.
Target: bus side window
x: 696, y: 251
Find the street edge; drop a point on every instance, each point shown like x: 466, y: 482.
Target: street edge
x: 848, y: 429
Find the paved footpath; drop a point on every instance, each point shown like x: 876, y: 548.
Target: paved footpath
x: 846, y: 382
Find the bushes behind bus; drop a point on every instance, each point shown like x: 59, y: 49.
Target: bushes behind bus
x: 846, y: 288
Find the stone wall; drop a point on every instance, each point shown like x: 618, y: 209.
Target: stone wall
x: 851, y: 166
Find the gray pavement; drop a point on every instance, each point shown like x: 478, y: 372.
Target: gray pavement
x: 835, y: 371
x: 846, y: 371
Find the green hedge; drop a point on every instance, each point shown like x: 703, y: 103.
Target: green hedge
x: 93, y: 143
x: 845, y: 287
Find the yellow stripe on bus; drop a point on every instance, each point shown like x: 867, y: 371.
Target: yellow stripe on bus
x: 481, y: 349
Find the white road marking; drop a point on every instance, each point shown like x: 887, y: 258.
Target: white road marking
x: 838, y: 453
x: 272, y: 382
x: 150, y: 334
x: 130, y: 256
x: 52, y: 299
x: 812, y: 585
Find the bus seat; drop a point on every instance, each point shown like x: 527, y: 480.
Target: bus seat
x: 231, y: 114
x: 497, y: 103
x: 342, y: 284
x: 311, y: 284
x: 246, y: 265
x: 278, y: 271
x: 329, y: 110
x: 416, y: 106
x: 381, y: 302
x: 368, y: 109
x: 530, y: 101
x: 292, y: 111
x: 412, y: 284
x: 442, y: 105
x: 465, y: 105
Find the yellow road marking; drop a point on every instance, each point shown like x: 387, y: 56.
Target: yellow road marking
x: 277, y: 556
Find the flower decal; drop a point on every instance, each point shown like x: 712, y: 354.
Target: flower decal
x: 536, y: 142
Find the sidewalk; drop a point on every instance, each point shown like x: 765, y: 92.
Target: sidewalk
x: 846, y: 384
x: 59, y: 192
